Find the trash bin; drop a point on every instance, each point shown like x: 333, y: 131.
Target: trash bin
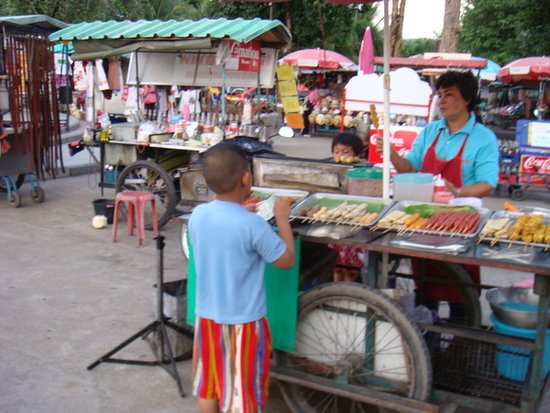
x: 104, y: 207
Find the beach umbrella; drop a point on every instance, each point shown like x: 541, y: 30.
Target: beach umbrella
x: 366, y: 54
x: 489, y: 73
x: 526, y: 69
x: 310, y: 59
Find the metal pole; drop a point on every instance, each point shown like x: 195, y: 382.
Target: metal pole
x: 387, y: 87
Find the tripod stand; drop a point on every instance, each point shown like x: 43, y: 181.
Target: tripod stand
x: 159, y: 326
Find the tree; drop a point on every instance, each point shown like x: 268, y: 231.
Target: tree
x: 515, y: 28
x: 341, y: 30
x: 451, y: 26
x: 396, y: 26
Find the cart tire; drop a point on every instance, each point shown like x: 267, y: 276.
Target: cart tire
x: 183, y: 241
x: 454, y: 272
x: 18, y: 182
x: 149, y: 176
x: 15, y: 201
x: 37, y: 195
x: 335, y: 326
x: 518, y: 194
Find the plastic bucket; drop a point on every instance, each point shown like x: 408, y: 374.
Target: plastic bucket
x: 104, y: 207
x: 513, y: 362
x: 365, y: 181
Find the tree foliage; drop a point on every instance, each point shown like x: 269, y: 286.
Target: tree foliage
x: 313, y: 23
x: 505, y: 30
x: 412, y: 47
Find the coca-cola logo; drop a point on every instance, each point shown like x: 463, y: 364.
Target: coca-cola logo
x: 537, y: 164
x: 399, y: 142
x: 245, y: 50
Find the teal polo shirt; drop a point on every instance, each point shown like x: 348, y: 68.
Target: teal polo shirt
x: 480, y: 158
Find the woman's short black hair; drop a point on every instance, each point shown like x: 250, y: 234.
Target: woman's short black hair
x: 466, y: 82
x: 348, y: 139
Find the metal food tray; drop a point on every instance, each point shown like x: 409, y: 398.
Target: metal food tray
x: 290, y: 193
x: 514, y: 216
x: 314, y: 198
x: 484, y: 214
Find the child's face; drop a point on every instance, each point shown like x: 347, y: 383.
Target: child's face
x: 341, y: 150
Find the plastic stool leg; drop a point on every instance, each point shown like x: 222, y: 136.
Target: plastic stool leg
x: 131, y: 217
x: 141, y: 221
x: 115, y: 220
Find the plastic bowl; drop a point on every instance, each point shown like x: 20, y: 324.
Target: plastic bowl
x: 515, y: 306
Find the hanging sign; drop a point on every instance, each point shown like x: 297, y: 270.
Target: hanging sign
x: 245, y: 57
x: 288, y: 93
x: 539, y: 134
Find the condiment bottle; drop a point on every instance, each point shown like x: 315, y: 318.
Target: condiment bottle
x: 440, y: 194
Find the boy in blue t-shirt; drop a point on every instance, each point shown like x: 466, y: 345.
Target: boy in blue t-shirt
x: 231, y: 245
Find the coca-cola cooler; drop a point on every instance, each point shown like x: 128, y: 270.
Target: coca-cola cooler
x: 533, y: 141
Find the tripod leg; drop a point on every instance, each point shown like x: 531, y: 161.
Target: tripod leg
x: 139, y: 334
x: 173, y: 368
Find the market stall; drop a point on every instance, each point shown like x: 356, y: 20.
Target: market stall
x: 216, y: 54
x: 321, y: 75
x: 520, y: 98
x: 29, y: 131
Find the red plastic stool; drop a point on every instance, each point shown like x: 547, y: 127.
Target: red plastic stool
x: 136, y: 209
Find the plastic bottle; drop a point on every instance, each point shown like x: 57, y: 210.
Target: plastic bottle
x: 440, y: 194
x: 247, y: 113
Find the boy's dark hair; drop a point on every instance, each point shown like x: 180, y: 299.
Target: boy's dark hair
x: 223, y: 166
x: 348, y: 139
x: 466, y: 83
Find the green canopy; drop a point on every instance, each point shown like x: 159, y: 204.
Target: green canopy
x: 102, y: 39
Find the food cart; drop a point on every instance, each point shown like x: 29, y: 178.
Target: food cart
x: 209, y: 52
x: 360, y: 344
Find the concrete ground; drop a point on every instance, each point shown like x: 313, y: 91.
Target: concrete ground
x: 69, y: 294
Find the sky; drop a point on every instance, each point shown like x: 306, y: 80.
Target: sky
x: 422, y: 18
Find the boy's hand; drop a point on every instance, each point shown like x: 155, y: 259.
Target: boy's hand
x: 281, y: 208
x: 252, y: 207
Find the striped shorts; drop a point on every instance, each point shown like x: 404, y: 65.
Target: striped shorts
x: 231, y: 364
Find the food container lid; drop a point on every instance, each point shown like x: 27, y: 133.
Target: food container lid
x: 413, y: 178
x: 365, y: 173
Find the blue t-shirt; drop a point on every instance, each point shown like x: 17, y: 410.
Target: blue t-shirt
x: 231, y: 246
x: 480, y: 157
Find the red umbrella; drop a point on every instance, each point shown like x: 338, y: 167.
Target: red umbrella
x: 318, y: 59
x: 366, y: 53
x: 528, y: 68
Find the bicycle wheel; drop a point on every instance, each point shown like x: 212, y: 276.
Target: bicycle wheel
x: 354, y: 335
x: 149, y: 176
x: 470, y: 314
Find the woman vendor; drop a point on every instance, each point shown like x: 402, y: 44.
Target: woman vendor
x: 462, y: 150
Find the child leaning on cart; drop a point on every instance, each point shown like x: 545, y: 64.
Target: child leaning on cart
x: 232, y: 348
x: 348, y: 259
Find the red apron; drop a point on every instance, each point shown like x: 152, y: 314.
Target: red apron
x: 452, y: 171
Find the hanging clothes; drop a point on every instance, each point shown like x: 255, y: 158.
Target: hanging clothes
x: 114, y: 74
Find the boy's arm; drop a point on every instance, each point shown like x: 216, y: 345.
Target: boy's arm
x: 281, y: 210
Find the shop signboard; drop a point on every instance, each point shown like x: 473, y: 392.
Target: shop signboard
x: 198, y: 68
x: 401, y: 137
x: 243, y: 56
